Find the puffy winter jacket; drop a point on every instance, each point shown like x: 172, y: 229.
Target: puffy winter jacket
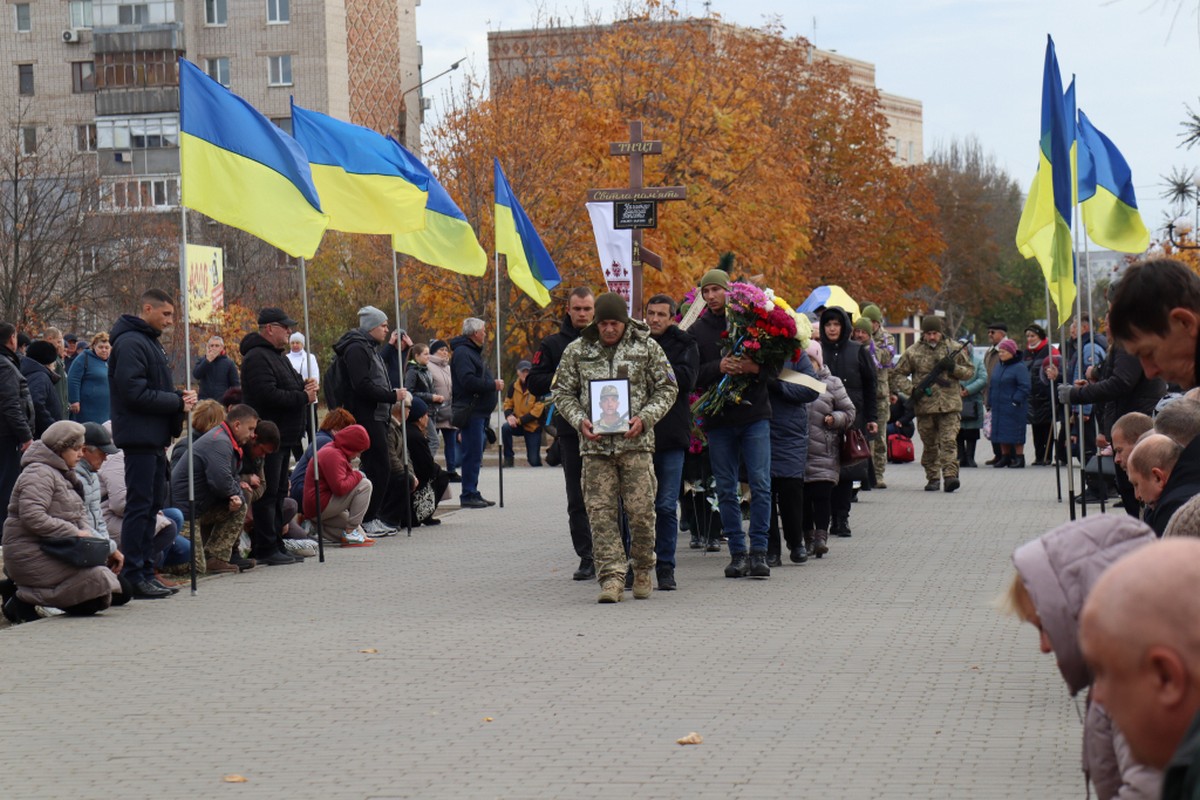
x: 789, y: 421
x: 147, y: 411
x: 273, y: 388
x: 851, y: 362
x: 824, y: 462
x: 474, y: 384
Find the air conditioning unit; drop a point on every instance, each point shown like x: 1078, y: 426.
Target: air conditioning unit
x: 426, y: 103
x: 71, y: 36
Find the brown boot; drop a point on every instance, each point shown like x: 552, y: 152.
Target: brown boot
x: 216, y: 566
x: 820, y: 544
x: 641, y: 584
x: 612, y: 590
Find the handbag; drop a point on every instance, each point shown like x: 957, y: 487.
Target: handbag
x: 987, y: 424
x: 970, y: 411
x: 424, y: 503
x: 854, y: 447
x: 78, y: 551
x: 461, y: 418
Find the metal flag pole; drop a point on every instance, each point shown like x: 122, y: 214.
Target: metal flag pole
x: 1087, y: 262
x: 312, y: 418
x: 187, y: 370
x: 1079, y: 282
x: 499, y: 392
x: 404, y: 416
x: 1053, y: 412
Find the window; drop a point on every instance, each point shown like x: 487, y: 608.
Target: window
x: 279, y: 71
x: 133, y: 15
x: 278, y: 11
x: 141, y: 193
x: 28, y: 140
x: 215, y: 12
x: 137, y: 133
x: 283, y: 123
x: 81, y: 13
x: 139, y: 68
x: 83, y: 76
x: 218, y: 70
x: 25, y: 26
x: 85, y: 138
x: 25, y: 79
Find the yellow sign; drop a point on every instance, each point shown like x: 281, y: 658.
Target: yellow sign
x: 205, y: 282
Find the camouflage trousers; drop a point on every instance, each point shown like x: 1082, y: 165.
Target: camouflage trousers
x: 220, y: 529
x: 883, y: 410
x: 939, y: 440
x: 628, y: 477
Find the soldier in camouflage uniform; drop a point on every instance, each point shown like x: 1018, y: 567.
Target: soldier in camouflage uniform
x: 883, y: 354
x: 617, y: 465
x: 939, y: 407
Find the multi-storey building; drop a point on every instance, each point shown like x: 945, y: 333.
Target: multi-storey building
x: 105, y: 74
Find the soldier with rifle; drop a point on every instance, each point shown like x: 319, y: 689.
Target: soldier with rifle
x: 937, y: 400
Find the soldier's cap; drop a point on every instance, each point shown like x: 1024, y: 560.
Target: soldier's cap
x: 611, y: 306
x: 931, y: 324
x: 872, y: 312
x: 609, y: 391
x: 863, y: 324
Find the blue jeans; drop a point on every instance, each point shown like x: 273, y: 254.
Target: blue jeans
x: 533, y: 444
x: 178, y: 549
x: 472, y: 455
x: 668, y: 468
x: 752, y: 443
x: 450, y: 445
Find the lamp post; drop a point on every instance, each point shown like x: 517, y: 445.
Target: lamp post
x: 403, y: 116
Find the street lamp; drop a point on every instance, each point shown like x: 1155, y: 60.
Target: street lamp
x: 403, y: 115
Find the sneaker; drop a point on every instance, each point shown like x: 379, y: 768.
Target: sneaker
x: 378, y: 529
x: 474, y: 502
x: 306, y: 548
x: 356, y: 538
x: 46, y: 612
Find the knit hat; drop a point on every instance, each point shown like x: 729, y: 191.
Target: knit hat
x: 931, y: 324
x: 611, y: 306
x: 437, y: 344
x: 370, y: 317
x: 1008, y: 346
x: 1034, y: 328
x: 42, y: 352
x: 872, y: 312
x: 297, y: 337
x: 418, y: 409
x: 63, y: 434
x: 863, y: 324
x: 715, y: 277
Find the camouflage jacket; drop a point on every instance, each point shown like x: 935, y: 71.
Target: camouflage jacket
x: 638, y: 358
x: 944, y: 395
x: 884, y: 354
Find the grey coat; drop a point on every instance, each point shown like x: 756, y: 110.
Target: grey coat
x: 216, y: 476
x: 47, y: 503
x: 825, y: 443
x: 1058, y: 570
x: 92, y: 506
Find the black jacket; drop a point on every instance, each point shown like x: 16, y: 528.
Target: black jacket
x: 545, y: 364
x: 851, y: 362
x: 16, y: 405
x: 216, y: 377
x: 147, y: 411
x: 1039, y: 392
x: 1121, y: 387
x: 368, y: 392
x: 674, y: 431
x: 756, y: 403
x: 273, y: 388
x: 474, y: 383
x: 47, y: 406
x: 1182, y: 485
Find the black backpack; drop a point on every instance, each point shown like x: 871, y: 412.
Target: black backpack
x: 333, y: 382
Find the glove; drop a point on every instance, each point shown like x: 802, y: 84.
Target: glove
x: 1064, y: 394
x: 946, y: 364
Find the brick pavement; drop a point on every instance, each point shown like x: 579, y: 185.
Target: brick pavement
x: 881, y: 671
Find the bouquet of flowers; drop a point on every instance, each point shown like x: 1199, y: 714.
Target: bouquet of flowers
x: 761, y: 328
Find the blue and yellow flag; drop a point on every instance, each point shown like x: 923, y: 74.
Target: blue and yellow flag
x: 529, y: 264
x: 1106, y: 198
x: 240, y: 169
x: 1044, y: 231
x: 447, y: 240
x: 364, y: 186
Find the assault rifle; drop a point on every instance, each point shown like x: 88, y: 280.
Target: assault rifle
x: 924, y: 388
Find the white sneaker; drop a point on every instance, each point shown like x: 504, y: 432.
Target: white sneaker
x: 356, y: 538
x: 300, y: 547
x: 46, y: 612
x: 378, y: 529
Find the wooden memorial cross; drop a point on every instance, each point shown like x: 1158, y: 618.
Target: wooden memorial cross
x: 637, y: 206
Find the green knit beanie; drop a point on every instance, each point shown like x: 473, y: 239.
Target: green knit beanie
x: 611, y: 305
x: 931, y: 324
x: 715, y: 277
x: 872, y: 312
x: 863, y: 324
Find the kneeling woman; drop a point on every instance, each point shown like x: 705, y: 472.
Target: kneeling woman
x: 432, y: 480
x: 47, y: 504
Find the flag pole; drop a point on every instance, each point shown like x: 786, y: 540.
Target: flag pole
x: 499, y: 392
x: 1087, y: 260
x: 187, y: 371
x: 1079, y: 364
x: 1053, y: 411
x: 313, y: 418
x: 404, y: 416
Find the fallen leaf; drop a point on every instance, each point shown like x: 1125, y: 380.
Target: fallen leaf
x: 234, y: 779
x: 368, y: 650
x: 487, y: 719
x: 691, y: 738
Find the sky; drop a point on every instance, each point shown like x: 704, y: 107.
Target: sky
x: 976, y: 65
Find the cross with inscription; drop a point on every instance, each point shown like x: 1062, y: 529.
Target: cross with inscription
x: 637, y: 206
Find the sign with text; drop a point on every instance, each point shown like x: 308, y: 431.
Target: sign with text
x: 637, y: 195
x: 629, y: 216
x: 205, y: 282
x: 652, y: 148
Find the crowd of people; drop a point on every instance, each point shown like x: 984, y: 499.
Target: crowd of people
x: 100, y: 481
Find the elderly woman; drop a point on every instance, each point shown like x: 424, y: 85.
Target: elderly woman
x: 47, y: 503
x: 1008, y: 393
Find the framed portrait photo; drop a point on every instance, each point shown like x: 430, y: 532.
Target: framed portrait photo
x: 609, y: 400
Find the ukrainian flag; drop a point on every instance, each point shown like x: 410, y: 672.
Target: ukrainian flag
x: 1106, y: 197
x: 447, y: 240
x: 529, y: 264
x: 240, y: 169
x: 1044, y: 231
x: 364, y: 186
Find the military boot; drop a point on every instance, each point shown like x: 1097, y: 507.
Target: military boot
x: 952, y: 483
x: 820, y: 543
x: 933, y: 485
x: 641, y: 584
x: 612, y: 591
x: 738, y: 567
